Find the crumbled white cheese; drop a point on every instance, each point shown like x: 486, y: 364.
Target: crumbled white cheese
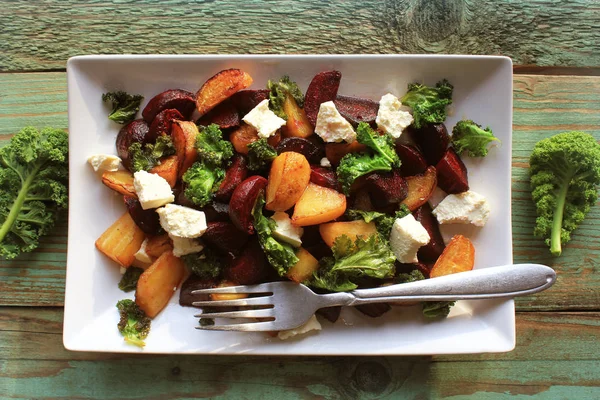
x: 407, y: 236
x: 183, y: 246
x: 182, y: 221
x: 104, y: 162
x: 152, y: 190
x: 141, y: 254
x: 331, y: 126
x: 312, y: 325
x: 285, y: 231
x: 325, y: 162
x: 264, y: 120
x: 391, y: 118
x: 463, y: 208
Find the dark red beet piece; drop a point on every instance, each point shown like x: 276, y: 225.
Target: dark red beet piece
x: 413, y: 162
x: 323, y: 87
x: 147, y: 220
x: 433, y: 140
x: 161, y: 125
x: 235, y: 174
x: 246, y: 100
x: 134, y: 132
x: 224, y: 236
x: 181, y: 100
x: 386, y: 188
x: 331, y: 314
x: 250, y: 267
x: 374, y: 310
x: 357, y: 109
x: 324, y: 177
x: 307, y: 148
x: 452, y: 173
x: 216, y: 211
x: 194, y: 282
x: 242, y: 201
x: 432, y: 250
x: 224, y: 114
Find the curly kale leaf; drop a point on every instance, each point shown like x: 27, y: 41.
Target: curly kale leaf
x: 279, y: 91
x: 382, y: 157
x: 130, y: 279
x: 280, y: 255
x: 260, y: 154
x: 212, y: 148
x: 146, y: 157
x: 201, y: 182
x: 428, y: 103
x: 431, y: 309
x: 370, y: 257
x: 124, y: 106
x: 206, y: 265
x: 33, y: 187
x: 565, y: 173
x: 472, y: 138
x: 383, y: 221
x: 133, y: 324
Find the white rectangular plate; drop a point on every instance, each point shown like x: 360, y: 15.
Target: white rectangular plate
x: 483, y: 92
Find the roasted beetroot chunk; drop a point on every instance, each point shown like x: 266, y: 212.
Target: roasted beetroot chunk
x: 134, y: 132
x: 147, y: 220
x: 433, y: 140
x: 452, y: 173
x: 413, y: 162
x: 386, y: 188
x: 235, y: 174
x: 161, y: 125
x: 432, y: 250
x: 181, y: 100
x: 215, y: 211
x: 324, y: 177
x: 242, y: 202
x: 357, y: 109
x: 323, y: 87
x: 307, y: 148
x: 225, y: 237
x: 250, y: 267
x: 408, y: 268
x: 224, y: 114
x: 246, y: 100
x: 374, y: 310
x: 194, y: 282
x: 331, y: 314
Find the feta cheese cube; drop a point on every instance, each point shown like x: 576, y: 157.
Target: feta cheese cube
x: 152, y: 190
x: 311, y: 325
x: 325, y: 162
x: 285, y: 231
x: 391, y: 118
x: 264, y: 120
x: 331, y: 126
x: 407, y: 236
x: 182, y: 221
x: 104, y: 162
x: 463, y: 208
x: 184, y: 246
x: 141, y: 254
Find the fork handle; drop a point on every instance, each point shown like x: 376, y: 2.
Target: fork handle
x: 496, y: 282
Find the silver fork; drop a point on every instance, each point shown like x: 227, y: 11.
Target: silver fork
x: 289, y: 305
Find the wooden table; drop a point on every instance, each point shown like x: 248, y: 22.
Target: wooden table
x: 556, y: 50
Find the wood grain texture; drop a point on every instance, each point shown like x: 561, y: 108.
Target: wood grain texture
x: 43, y: 35
x: 558, y: 350
x: 543, y: 105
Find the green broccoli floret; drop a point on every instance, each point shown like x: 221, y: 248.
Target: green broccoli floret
x: 565, y: 172
x: 428, y: 104
x: 33, y: 187
x: 212, y: 148
x: 260, y: 154
x: 133, y: 324
x: 130, y: 279
x: 280, y: 255
x: 148, y: 156
x: 430, y: 309
x: 202, y: 181
x: 370, y: 257
x: 206, y: 265
x: 279, y: 91
x: 124, y: 106
x: 471, y: 137
x: 382, y: 157
x: 383, y: 222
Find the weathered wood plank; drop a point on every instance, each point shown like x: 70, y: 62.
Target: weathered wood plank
x: 543, y: 105
x: 559, y: 351
x: 42, y: 35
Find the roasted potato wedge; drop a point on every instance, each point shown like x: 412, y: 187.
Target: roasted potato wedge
x: 120, y: 181
x: 184, y: 140
x: 121, y: 240
x: 219, y: 87
x: 458, y: 256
